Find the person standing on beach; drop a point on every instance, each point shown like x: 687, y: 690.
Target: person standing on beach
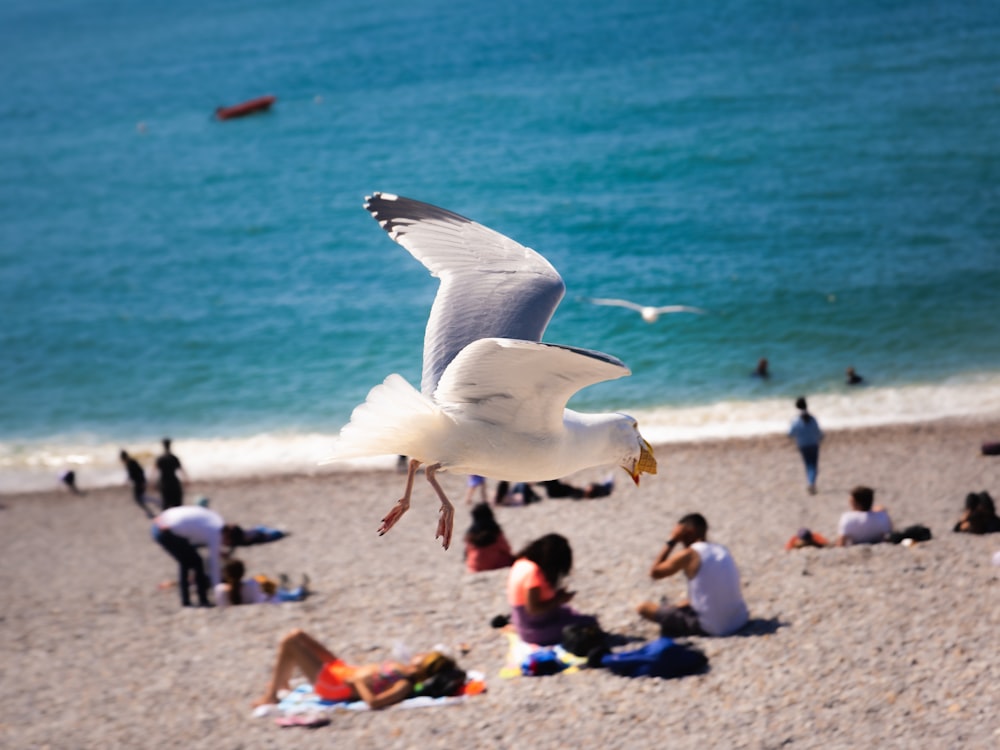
x: 714, y: 605
x: 805, y: 429
x: 138, y: 479
x: 167, y: 467
x: 179, y: 530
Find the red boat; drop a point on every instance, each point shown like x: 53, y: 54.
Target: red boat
x: 250, y: 107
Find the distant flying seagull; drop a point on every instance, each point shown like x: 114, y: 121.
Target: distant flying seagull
x: 492, y: 399
x: 649, y: 314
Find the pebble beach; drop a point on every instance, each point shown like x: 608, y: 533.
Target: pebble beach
x: 872, y: 646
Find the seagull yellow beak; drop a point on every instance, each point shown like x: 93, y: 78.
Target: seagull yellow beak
x: 646, y: 462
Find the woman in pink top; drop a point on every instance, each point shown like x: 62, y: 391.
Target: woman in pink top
x: 486, y: 547
x: 537, y: 599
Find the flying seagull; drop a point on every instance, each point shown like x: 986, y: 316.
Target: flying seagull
x: 648, y: 313
x: 492, y: 399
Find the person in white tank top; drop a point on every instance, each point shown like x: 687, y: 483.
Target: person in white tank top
x: 714, y: 605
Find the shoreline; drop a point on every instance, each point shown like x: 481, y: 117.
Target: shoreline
x: 112, y: 476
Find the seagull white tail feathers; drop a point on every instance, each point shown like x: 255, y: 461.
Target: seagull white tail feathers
x: 385, y: 424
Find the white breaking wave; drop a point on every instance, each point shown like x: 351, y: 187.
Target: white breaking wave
x: 32, y: 466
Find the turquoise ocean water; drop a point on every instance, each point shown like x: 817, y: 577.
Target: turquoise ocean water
x: 824, y: 178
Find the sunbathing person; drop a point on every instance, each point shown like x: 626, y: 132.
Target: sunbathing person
x: 557, y: 489
x: 486, y: 547
x: 539, y: 603
x: 378, y: 685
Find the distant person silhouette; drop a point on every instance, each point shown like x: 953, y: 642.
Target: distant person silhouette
x: 167, y: 467
x: 805, y: 429
x: 137, y: 477
x: 853, y: 378
x: 69, y: 479
x: 762, y: 370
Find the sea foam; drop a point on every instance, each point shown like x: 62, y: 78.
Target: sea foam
x: 37, y: 466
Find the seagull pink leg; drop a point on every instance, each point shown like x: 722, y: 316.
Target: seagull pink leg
x: 447, y: 520
x: 403, y: 504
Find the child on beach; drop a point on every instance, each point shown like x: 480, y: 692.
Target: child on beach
x: 235, y: 589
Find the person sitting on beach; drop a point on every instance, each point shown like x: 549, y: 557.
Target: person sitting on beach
x: 486, y: 547
x: 538, y: 602
x: 863, y: 523
x: 179, y: 530
x: 714, y: 605
x: 378, y: 685
x: 235, y: 589
x: 979, y: 516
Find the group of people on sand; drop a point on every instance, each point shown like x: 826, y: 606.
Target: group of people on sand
x: 540, y: 610
x: 182, y: 530
x: 540, y: 603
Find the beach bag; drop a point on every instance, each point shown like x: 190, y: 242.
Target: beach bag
x: 542, y: 662
x: 660, y: 658
x: 580, y: 640
x: 916, y: 532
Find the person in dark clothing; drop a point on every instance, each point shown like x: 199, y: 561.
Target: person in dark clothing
x: 168, y: 466
x: 137, y: 477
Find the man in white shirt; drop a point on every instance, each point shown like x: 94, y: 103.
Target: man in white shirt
x: 182, y: 528
x: 715, y: 603
x: 863, y: 524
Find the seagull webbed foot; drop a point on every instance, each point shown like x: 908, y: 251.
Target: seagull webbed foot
x: 402, y: 505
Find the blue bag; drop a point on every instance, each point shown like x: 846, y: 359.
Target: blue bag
x: 660, y: 658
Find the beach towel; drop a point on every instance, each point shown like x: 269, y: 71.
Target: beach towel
x: 308, y: 709
x: 532, y: 660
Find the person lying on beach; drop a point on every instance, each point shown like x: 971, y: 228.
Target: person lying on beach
x: 714, y: 604
x: 863, y: 523
x: 556, y: 488
x: 378, y: 685
x: 979, y: 516
x: 236, y: 589
x: 486, y: 547
x: 518, y: 493
x: 538, y: 601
